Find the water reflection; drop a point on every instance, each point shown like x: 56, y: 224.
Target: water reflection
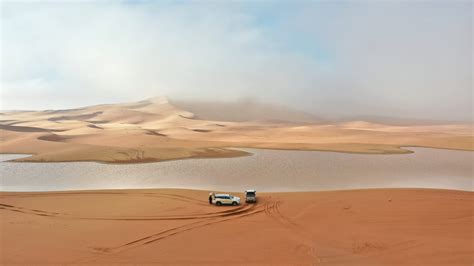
x: 266, y: 170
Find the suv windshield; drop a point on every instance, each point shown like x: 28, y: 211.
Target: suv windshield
x: 250, y: 194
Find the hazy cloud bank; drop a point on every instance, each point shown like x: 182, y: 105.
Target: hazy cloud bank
x: 394, y: 59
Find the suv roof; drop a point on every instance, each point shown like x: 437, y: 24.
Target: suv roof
x: 250, y: 190
x: 222, y: 195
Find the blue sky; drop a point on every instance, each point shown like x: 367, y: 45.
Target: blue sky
x: 406, y: 59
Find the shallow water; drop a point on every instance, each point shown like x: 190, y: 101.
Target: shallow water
x: 266, y: 170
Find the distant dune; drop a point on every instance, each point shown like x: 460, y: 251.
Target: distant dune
x: 245, y: 111
x: 157, y: 129
x: 398, y: 120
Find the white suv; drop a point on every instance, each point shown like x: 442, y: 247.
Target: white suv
x: 225, y: 199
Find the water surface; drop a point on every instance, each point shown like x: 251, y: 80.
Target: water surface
x: 266, y: 170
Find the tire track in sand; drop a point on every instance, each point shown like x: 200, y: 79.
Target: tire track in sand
x: 237, y: 210
x: 45, y: 213
x: 253, y: 209
x: 28, y: 211
x: 272, y: 209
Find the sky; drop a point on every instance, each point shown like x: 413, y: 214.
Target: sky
x: 409, y: 59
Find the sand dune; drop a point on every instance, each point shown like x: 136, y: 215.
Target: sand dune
x: 179, y: 227
x: 156, y: 130
x: 363, y: 227
x: 244, y: 111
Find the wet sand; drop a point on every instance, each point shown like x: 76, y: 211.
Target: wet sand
x: 356, y: 227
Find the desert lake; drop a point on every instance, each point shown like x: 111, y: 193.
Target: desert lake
x: 265, y: 170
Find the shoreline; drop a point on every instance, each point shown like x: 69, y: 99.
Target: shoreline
x: 266, y: 170
x: 239, y: 151
x: 131, y: 190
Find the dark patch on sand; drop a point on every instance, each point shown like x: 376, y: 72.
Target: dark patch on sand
x: 97, y: 122
x: 202, y: 130
x: 26, y: 129
x: 155, y: 133
x: 53, y: 137
x: 75, y: 117
x: 94, y: 126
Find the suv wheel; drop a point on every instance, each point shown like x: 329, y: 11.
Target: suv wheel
x: 234, y: 203
x: 218, y: 203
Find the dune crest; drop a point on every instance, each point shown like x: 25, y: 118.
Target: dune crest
x: 156, y: 129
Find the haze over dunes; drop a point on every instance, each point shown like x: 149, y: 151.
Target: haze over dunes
x: 371, y: 102
x: 156, y: 130
x: 244, y: 111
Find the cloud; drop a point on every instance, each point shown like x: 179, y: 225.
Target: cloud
x: 400, y: 59
x: 121, y: 51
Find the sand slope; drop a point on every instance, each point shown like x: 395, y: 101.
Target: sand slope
x: 244, y: 111
x: 360, y: 227
x: 156, y: 130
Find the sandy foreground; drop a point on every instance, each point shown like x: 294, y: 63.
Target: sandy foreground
x: 157, y: 130
x: 358, y: 227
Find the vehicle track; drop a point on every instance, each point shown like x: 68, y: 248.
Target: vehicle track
x: 223, y: 213
x: 253, y: 209
x: 272, y: 209
x: 28, y: 211
x: 173, y: 231
x: 269, y: 206
x: 147, y: 194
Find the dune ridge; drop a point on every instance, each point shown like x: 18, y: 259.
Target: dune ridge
x: 155, y: 130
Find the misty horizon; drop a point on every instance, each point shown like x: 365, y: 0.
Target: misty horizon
x: 259, y: 109
x: 333, y: 60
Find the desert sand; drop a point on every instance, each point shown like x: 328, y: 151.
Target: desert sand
x: 156, y: 130
x: 179, y: 227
